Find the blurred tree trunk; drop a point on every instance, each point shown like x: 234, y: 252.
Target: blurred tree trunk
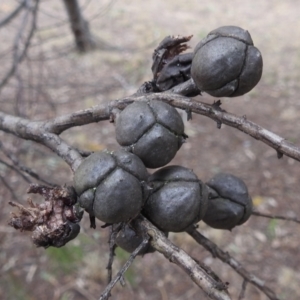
x: 80, y: 27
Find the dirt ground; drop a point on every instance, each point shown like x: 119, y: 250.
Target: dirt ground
x: 54, y: 80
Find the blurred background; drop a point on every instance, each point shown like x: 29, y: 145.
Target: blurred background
x: 44, y: 73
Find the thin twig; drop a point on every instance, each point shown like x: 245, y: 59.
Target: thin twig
x: 13, y: 14
x: 106, y: 294
x: 260, y: 214
x: 19, y: 167
x: 234, y: 264
x: 9, y: 188
x: 112, y: 248
x: 243, y: 291
x: 18, y: 57
x: 16, y: 170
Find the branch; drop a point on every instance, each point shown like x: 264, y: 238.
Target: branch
x: 234, y: 264
x: 241, y: 123
x: 47, y: 132
x: 80, y: 27
x: 105, y: 112
x: 212, y: 287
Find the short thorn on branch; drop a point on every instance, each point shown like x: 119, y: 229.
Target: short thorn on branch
x: 217, y: 105
x: 189, y: 114
x: 279, y: 154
